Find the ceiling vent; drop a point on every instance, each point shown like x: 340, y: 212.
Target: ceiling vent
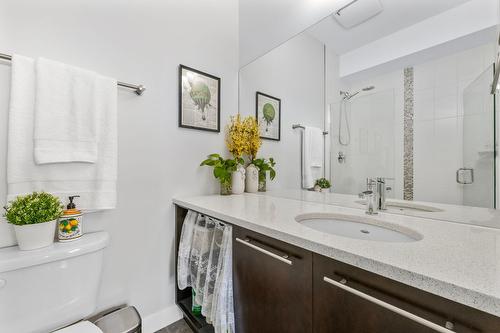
x: 356, y: 12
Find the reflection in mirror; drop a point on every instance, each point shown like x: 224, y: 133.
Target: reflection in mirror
x: 428, y: 128
x: 411, y: 106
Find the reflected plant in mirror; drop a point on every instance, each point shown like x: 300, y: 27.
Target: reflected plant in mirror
x: 322, y: 184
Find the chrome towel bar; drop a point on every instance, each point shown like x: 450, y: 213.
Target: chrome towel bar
x: 294, y: 126
x: 139, y: 89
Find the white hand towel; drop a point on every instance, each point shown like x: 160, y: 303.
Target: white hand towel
x: 95, y: 183
x: 312, y: 146
x: 69, y: 104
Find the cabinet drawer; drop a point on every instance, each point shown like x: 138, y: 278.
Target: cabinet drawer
x: 272, y: 285
x: 349, y: 299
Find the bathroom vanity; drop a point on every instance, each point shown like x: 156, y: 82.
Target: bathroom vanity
x: 292, y: 277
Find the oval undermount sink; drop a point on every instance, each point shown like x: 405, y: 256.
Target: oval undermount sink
x: 358, y: 227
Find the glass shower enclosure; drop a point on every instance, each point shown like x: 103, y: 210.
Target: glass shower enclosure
x: 477, y: 175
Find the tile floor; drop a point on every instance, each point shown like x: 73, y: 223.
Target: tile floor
x: 179, y: 326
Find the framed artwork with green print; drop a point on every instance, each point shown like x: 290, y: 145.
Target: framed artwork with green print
x: 199, y: 100
x: 268, y: 114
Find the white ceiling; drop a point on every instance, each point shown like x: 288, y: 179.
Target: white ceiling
x: 265, y: 24
x: 397, y: 15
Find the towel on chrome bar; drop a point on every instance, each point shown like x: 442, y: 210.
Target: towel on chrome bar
x: 94, y: 182
x: 70, y: 104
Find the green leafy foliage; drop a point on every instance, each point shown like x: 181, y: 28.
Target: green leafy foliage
x: 33, y: 208
x: 323, y: 183
x: 222, y: 167
x: 264, y: 166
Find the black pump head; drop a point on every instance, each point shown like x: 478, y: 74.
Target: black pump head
x: 71, y: 205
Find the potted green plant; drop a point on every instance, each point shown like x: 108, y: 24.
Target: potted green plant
x: 321, y: 184
x: 264, y: 166
x: 223, y: 168
x: 34, y: 217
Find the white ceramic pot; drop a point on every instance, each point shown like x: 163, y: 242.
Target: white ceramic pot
x: 35, y: 236
x: 238, y: 180
x: 252, y: 179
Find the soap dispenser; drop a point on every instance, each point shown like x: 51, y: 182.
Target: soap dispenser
x: 70, y: 223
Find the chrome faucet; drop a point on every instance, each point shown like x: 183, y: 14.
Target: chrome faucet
x: 375, y: 195
x: 371, y: 196
x: 382, y: 192
x: 371, y: 202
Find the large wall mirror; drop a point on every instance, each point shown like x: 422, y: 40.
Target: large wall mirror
x: 404, y: 99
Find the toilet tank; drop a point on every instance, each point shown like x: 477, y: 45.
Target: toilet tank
x: 42, y: 290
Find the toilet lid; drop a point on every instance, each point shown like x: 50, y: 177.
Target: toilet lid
x: 81, y: 327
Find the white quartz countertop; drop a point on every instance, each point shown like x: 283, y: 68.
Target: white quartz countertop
x: 457, y: 261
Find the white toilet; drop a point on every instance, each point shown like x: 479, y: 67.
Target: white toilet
x: 46, y: 289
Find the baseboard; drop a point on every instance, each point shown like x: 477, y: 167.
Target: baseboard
x: 160, y: 319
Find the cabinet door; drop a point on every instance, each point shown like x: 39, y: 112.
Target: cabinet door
x: 351, y: 300
x: 272, y: 285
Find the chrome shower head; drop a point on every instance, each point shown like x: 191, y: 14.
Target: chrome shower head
x: 347, y: 95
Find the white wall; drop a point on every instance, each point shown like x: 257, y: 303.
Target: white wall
x: 293, y: 72
x: 138, y: 42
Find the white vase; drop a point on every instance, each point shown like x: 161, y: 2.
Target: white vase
x: 252, y: 179
x: 238, y: 180
x: 35, y: 236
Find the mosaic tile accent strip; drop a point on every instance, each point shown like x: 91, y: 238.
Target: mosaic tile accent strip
x: 408, y: 134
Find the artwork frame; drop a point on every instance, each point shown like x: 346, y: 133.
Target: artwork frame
x: 261, y: 99
x: 189, y: 106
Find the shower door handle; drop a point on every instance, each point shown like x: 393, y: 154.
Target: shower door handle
x: 465, y: 176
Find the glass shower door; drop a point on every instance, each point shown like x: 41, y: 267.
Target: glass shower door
x: 477, y: 175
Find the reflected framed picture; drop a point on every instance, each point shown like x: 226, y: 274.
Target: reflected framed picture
x: 268, y: 115
x: 199, y: 100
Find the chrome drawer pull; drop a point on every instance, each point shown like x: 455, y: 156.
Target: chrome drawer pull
x: 390, y: 307
x: 283, y: 258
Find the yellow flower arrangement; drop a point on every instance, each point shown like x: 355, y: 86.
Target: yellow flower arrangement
x: 235, y: 137
x: 243, y: 137
x: 253, y: 139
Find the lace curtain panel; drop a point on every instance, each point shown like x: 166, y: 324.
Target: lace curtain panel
x: 205, y: 264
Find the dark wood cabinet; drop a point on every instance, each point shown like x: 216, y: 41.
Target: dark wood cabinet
x: 272, y: 285
x: 280, y: 288
x: 351, y: 300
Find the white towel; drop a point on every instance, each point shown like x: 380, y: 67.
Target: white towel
x: 312, y: 153
x: 69, y: 105
x: 95, y: 183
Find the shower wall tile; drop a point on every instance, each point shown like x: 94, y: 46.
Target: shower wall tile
x: 423, y: 103
x: 446, y: 106
x: 471, y: 62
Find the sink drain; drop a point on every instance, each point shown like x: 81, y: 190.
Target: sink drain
x: 364, y: 231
